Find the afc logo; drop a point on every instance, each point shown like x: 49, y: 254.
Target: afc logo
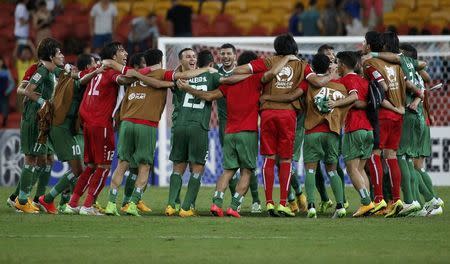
x: 284, y: 78
x: 392, y: 77
x: 137, y: 96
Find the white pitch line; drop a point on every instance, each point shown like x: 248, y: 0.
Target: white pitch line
x: 134, y: 237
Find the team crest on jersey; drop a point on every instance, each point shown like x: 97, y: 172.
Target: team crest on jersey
x: 37, y: 77
x: 392, y: 77
x: 137, y: 96
x: 284, y: 78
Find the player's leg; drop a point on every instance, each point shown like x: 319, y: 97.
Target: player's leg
x: 268, y: 150
x: 241, y: 190
x: 331, y: 142
x: 221, y: 185
x: 129, y: 183
x: 256, y: 202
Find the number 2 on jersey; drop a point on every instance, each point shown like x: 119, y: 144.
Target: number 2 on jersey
x: 188, y: 97
x: 94, y: 85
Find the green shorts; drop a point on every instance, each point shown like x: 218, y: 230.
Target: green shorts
x: 357, y: 145
x: 299, y: 137
x: 321, y: 146
x: 137, y: 143
x: 190, y: 144
x: 412, y: 133
x: 240, y: 150
x: 425, y: 143
x: 64, y: 143
x: 28, y: 139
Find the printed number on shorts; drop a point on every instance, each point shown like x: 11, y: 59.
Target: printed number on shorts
x: 94, y: 85
x: 110, y: 155
x: 76, y: 150
x: 189, y: 97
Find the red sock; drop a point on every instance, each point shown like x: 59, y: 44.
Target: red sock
x: 376, y: 176
x: 95, y: 185
x: 268, y: 176
x: 396, y: 178
x: 80, y: 186
x: 284, y: 175
x: 102, y: 184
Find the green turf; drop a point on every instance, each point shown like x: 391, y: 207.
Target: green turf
x: 251, y: 239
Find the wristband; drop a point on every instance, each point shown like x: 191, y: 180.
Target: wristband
x: 40, y: 101
x: 374, y: 54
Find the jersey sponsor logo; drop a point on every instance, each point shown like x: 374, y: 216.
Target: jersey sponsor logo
x: 136, y: 96
x: 392, y: 78
x: 198, y: 79
x: 284, y: 78
x: 37, y: 77
x: 376, y: 75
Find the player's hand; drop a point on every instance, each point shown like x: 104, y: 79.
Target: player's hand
x: 212, y: 70
x: 365, y: 57
x: 400, y: 110
x: 414, y: 105
x: 182, y: 84
x: 263, y: 98
x: 100, y: 69
x: 331, y: 104
x: 107, y: 63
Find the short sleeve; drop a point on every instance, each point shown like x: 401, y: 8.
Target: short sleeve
x: 169, y: 76
x: 258, y: 65
x: 145, y: 71
x: 39, y: 76
x: 94, y: 11
x: 304, y: 86
x: 308, y: 71
x: 29, y: 73
x: 373, y: 74
x: 224, y: 89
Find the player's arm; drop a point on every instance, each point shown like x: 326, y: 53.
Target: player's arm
x: 360, y: 104
x: 233, y: 78
x: 192, y: 73
x: 350, y: 99
x: 425, y: 76
x: 113, y: 65
x: 319, y: 81
x: 282, y: 98
x: 276, y: 68
x: 21, y: 88
x: 387, y: 56
x: 87, y: 77
x: 204, y: 95
x: 29, y: 93
x: 132, y: 75
x: 414, y: 89
x: 414, y: 104
x: 388, y: 105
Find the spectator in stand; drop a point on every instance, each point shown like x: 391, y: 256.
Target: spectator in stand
x: 22, y: 23
x: 102, y: 23
x: 23, y: 58
x: 294, y: 25
x: 144, y: 33
x: 353, y: 7
x: 377, y: 6
x: 354, y: 26
x: 7, y: 85
x: 42, y: 20
x: 330, y: 20
x: 309, y: 20
x: 179, y: 18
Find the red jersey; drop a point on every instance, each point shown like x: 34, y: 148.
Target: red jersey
x: 323, y: 127
x: 243, y: 104
x: 258, y: 65
x: 383, y: 113
x: 29, y: 73
x: 100, y: 98
x: 356, y: 118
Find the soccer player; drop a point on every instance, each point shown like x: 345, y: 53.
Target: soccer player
x: 278, y: 119
x: 38, y: 91
x: 227, y: 55
x: 358, y: 137
x: 137, y: 135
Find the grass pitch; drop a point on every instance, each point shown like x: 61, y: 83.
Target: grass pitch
x: 252, y: 239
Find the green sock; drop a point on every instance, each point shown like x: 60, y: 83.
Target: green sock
x: 423, y: 189
x: 254, y: 187
x: 65, y: 182
x: 291, y: 195
x: 192, y: 191
x: 129, y: 188
x: 113, y: 195
x: 310, y: 185
x: 336, y: 186
x: 341, y: 174
x: 44, y: 178
x: 406, y: 179
x: 26, y: 177
x: 427, y: 180
x: 320, y: 185
x: 35, y: 179
x: 232, y: 184
x: 295, y: 183
x: 65, y: 196
x: 236, y: 201
x: 415, y: 186
x: 174, y: 188
x: 365, y: 197
x: 137, y: 195
x: 218, y: 198
x: 16, y: 191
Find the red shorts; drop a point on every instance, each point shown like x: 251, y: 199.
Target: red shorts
x: 98, y: 145
x: 390, y: 133
x: 278, y: 132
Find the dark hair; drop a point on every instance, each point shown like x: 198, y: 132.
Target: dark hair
x: 41, y: 3
x: 375, y: 41
x: 312, y: 2
x: 299, y: 5
x: 180, y: 54
x: 153, y: 56
x: 391, y: 28
x: 285, y: 45
x: 228, y: 46
x: 135, y: 59
x: 109, y: 50
x: 205, y: 57
x: 26, y: 47
x: 83, y: 61
x: 348, y: 58
x: 409, y: 50
x: 320, y: 63
x: 47, y: 48
x: 391, y: 42
x: 246, y: 57
x: 323, y: 48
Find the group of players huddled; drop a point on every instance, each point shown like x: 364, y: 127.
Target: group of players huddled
x: 364, y: 105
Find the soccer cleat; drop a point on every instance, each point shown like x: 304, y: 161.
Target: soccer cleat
x: 47, y: 207
x: 89, y: 211
x: 397, y: 207
x: 10, y: 203
x: 409, y: 209
x: 312, y: 213
x: 99, y: 208
x: 36, y: 205
x: 233, y: 213
x: 132, y: 209
x: 294, y: 206
x: 431, y: 205
x: 364, y: 209
x: 346, y: 205
x: 61, y: 208
x: 256, y: 208
x: 216, y: 210
x: 142, y: 207
x: 271, y: 210
x: 435, y: 212
x: 324, y: 206
x: 239, y: 209
x: 440, y: 202
x: 177, y: 207
x: 379, y: 206
x: 111, y: 209
x: 339, y: 213
x: 170, y: 211
x: 188, y: 213
x: 301, y: 202
x: 285, y: 211
x: 70, y: 210
x: 26, y: 208
x: 124, y: 208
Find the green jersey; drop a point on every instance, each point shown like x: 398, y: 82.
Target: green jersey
x: 409, y: 66
x: 222, y: 103
x: 192, y: 109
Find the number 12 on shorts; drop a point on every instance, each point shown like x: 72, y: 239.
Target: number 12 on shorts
x: 109, y: 155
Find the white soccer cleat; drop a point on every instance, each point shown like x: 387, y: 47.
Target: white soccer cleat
x: 71, y: 210
x: 441, y: 203
x: 431, y: 205
x: 312, y: 213
x: 339, y: 213
x: 10, y: 203
x: 256, y: 208
x: 437, y: 211
x: 409, y: 209
x: 89, y: 211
